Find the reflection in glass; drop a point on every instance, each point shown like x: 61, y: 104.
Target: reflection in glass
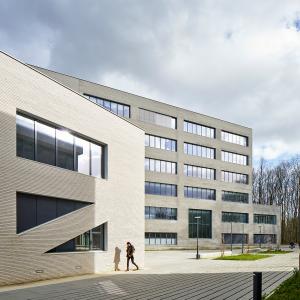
x: 65, y: 149
x: 96, y: 153
x: 45, y: 144
x: 82, y: 156
x: 25, y: 137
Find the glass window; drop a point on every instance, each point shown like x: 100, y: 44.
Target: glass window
x: 65, y: 149
x: 199, y: 193
x: 82, y: 156
x: 235, y: 197
x: 157, y: 119
x: 234, y: 217
x: 45, y: 144
x: 160, y: 143
x: 234, y: 138
x: 199, y: 129
x: 96, y: 154
x: 59, y: 148
x: 197, y: 150
x: 160, y: 238
x: 204, y: 223
x: 25, y: 137
x: 234, y: 158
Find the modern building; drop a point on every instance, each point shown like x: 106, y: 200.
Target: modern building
x: 195, y: 165
x: 70, y: 178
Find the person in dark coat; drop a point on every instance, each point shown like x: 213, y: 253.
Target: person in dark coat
x: 129, y: 254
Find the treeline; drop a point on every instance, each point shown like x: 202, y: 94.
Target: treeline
x: 280, y: 185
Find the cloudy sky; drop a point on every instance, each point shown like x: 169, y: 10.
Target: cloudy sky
x: 235, y: 60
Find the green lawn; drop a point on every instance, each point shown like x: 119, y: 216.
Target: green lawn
x: 289, y: 290
x: 275, y: 252
x: 244, y: 257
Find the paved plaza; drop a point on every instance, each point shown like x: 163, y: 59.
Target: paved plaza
x: 167, y: 275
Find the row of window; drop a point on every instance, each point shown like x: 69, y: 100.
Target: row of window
x: 199, y: 129
x: 160, y: 166
x: 167, y: 213
x: 194, y: 149
x: 57, y: 147
x: 160, y: 238
x: 163, y: 189
x: 160, y: 143
x: 238, y: 238
x: 197, y: 150
x: 160, y: 213
x: 234, y: 158
x: 199, y: 193
x: 200, y: 172
x: 119, y: 109
x: 156, y: 188
x: 151, y: 117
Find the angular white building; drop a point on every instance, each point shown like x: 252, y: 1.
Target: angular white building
x: 71, y: 180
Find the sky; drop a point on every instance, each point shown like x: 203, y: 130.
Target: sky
x: 234, y: 60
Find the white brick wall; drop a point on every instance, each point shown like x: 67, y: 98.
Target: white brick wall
x: 119, y: 200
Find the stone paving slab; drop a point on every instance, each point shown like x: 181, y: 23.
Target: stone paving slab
x: 152, y: 286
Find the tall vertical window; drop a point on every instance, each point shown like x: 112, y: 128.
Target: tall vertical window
x: 199, y: 193
x: 200, y: 172
x: 234, y: 177
x: 234, y: 217
x: 157, y: 119
x: 65, y: 149
x: 264, y: 219
x: 96, y: 154
x: 204, y: 223
x: 45, y: 144
x: 58, y: 147
x: 235, y: 197
x: 199, y: 129
x: 82, y: 156
x: 160, y: 143
x: 25, y: 137
x: 234, y: 138
x: 160, y: 166
x: 235, y: 158
x: 197, y: 150
x: 119, y: 109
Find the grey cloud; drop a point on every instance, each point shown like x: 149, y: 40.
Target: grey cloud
x: 222, y: 58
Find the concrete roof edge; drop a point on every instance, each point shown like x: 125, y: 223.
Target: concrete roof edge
x: 148, y: 99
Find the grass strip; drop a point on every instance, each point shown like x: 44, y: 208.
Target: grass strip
x: 288, y: 290
x: 243, y: 257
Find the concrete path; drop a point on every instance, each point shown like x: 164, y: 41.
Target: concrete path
x: 167, y: 275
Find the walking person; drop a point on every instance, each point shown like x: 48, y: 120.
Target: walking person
x: 129, y: 254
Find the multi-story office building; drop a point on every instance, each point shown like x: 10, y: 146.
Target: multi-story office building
x: 195, y: 165
x: 70, y: 178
